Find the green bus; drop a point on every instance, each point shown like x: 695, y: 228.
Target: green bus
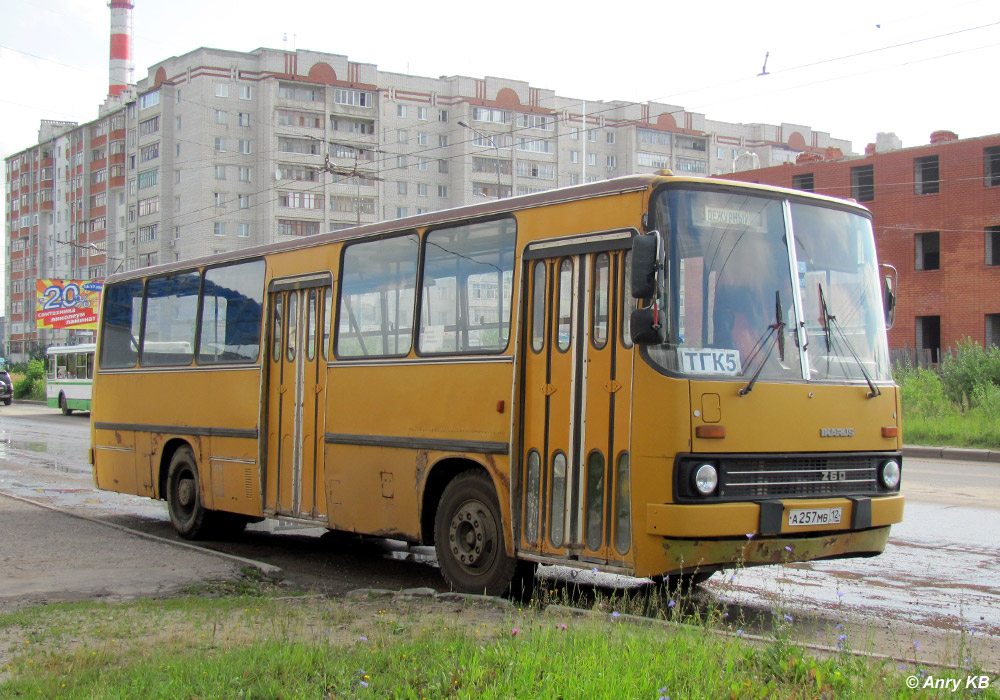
x: 69, y: 377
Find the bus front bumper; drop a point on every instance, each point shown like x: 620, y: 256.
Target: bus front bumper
x: 724, y: 535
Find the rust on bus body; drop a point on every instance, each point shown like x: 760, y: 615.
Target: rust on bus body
x: 751, y: 551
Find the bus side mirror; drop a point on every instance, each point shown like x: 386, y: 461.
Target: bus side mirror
x: 648, y: 326
x: 889, y: 285
x: 645, y: 265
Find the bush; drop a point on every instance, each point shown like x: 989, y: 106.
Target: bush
x: 32, y: 384
x: 970, y: 367
x: 921, y: 393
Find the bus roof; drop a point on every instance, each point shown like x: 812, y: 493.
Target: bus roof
x: 604, y: 188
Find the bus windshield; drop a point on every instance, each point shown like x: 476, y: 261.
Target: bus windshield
x: 731, y: 302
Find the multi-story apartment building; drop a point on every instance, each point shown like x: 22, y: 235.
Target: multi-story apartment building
x: 218, y: 150
x: 936, y: 211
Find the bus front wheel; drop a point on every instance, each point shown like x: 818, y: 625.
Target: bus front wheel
x: 468, y: 537
x: 66, y: 410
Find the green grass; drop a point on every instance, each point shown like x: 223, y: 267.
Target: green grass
x: 259, y: 645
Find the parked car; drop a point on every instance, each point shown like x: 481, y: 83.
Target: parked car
x: 6, y: 385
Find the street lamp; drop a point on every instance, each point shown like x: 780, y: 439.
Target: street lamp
x: 492, y: 143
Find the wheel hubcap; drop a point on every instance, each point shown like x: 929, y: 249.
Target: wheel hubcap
x: 186, y: 493
x: 470, y: 535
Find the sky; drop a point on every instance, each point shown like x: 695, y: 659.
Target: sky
x: 852, y: 68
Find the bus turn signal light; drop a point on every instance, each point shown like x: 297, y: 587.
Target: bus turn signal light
x: 710, y: 432
x: 890, y: 431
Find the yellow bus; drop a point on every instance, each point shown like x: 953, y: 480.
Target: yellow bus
x: 641, y: 376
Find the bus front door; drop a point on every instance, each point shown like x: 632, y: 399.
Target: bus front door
x: 296, y: 398
x: 576, y: 388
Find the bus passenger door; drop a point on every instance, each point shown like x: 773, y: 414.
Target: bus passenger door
x: 296, y: 397
x: 550, y: 385
x: 576, y: 387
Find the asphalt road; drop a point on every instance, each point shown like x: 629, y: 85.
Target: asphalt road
x: 937, y: 578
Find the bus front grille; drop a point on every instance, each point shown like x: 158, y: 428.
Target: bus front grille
x: 803, y: 477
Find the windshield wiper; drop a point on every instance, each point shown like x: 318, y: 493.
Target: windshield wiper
x: 774, y: 335
x: 830, y: 323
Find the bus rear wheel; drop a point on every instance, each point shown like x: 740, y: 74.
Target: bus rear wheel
x: 468, y: 537
x: 187, y: 511
x: 66, y: 410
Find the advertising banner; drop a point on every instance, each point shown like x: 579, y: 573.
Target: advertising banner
x: 68, y: 303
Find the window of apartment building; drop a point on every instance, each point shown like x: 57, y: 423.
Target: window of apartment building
x: 574, y: 156
x: 928, y: 337
x: 401, y: 111
x: 243, y: 230
x: 422, y: 113
x: 290, y: 227
x: 609, y: 136
x: 863, y: 183
x: 401, y: 187
x: 220, y: 172
x: 291, y: 117
x: 992, y: 245
x: 421, y: 163
x: 443, y: 191
x: 927, y: 251
x: 356, y: 98
x: 243, y: 201
x: 177, y: 151
x: 421, y: 189
x: 803, y: 181
x: 535, y: 121
x: 177, y: 123
x: 290, y: 91
x: 222, y: 90
x: 150, y: 99
x: 149, y: 152
x: 574, y: 133
x: 991, y: 166
x: 443, y: 140
x: 992, y: 329
x: 148, y: 206
x: 421, y: 138
x: 149, y: 126
x: 611, y: 161
x: 691, y: 144
x: 147, y: 233
x: 591, y: 134
x: 442, y: 166
x: 400, y: 212
x: 591, y: 159
x: 220, y: 144
x: 220, y: 228
x: 926, y: 175
x: 220, y: 199
x: 148, y: 178
x: 221, y: 117
x: 401, y: 162
x: 244, y: 118
x: 245, y: 174
x: 246, y: 92
x: 245, y: 146
x: 402, y: 135
x: 442, y: 115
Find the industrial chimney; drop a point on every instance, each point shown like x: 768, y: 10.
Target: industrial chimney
x: 121, y: 46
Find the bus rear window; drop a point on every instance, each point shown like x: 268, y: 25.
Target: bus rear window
x: 120, y: 324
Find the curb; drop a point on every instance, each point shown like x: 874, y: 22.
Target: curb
x: 957, y: 454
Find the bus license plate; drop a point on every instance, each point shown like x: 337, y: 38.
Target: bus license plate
x: 814, y: 516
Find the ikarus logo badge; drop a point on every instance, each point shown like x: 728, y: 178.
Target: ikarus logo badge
x: 836, y: 432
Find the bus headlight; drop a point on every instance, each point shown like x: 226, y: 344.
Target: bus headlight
x: 706, y: 479
x: 889, y: 475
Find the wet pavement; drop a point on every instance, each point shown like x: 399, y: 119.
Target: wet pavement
x: 939, y: 575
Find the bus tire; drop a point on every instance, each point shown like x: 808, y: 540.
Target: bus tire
x: 468, y: 537
x: 187, y: 510
x: 66, y: 410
